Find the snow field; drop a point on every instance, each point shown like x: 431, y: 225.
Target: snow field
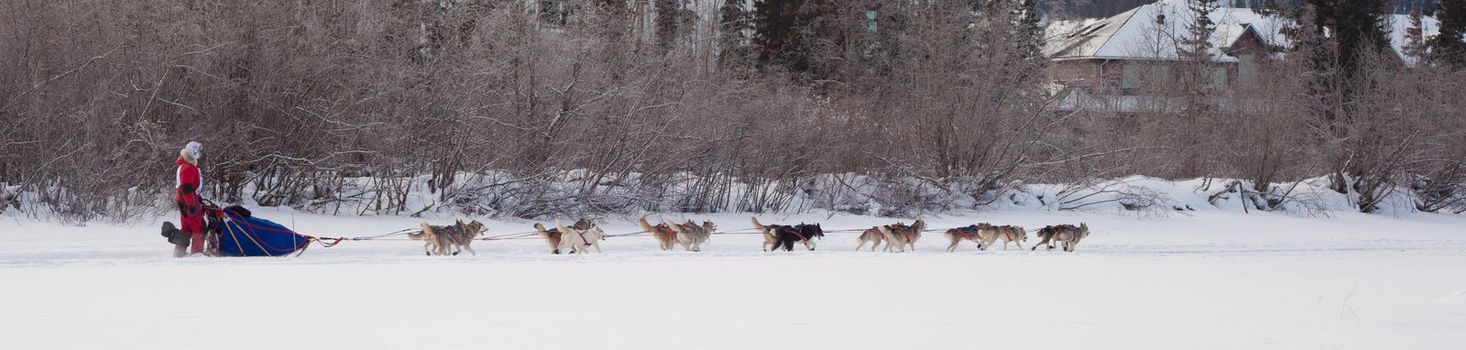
x: 1211, y: 280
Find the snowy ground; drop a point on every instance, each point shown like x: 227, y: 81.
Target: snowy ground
x: 1212, y: 280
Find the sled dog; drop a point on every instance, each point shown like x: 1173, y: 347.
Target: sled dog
x: 873, y: 236
x: 430, y: 241
x: 690, y: 235
x: 987, y: 234
x: 900, y: 235
x: 574, y: 241
x: 1067, y: 235
x: 957, y: 235
x: 439, y: 240
x: 552, y: 236
x: 768, y: 234
x: 783, y: 236
x: 663, y: 232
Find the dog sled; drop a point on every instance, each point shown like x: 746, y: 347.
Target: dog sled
x: 234, y: 231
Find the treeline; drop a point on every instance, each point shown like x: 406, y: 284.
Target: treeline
x: 532, y: 108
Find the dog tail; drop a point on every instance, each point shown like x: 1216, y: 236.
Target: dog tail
x: 427, y: 229
x: 541, y: 229
x: 645, y: 226
x: 676, y: 227
x: 562, y: 228
x: 756, y: 225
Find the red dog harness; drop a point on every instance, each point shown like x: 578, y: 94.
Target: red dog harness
x: 581, y: 233
x: 905, y: 231
x: 665, y: 231
x: 795, y: 231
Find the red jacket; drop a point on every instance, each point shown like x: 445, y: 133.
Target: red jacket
x: 190, y: 210
x: 188, y: 174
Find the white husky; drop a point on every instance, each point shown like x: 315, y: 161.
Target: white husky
x: 574, y: 241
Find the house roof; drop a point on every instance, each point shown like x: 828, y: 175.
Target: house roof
x: 1137, y: 35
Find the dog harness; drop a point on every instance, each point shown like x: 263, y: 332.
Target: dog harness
x: 581, y: 233
x: 904, y: 230
x: 453, y: 232
x: 796, y: 233
x: 663, y: 229
x: 966, y: 232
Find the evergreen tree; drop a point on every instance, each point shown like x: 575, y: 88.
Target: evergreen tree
x: 1415, y: 45
x: 1309, y: 49
x: 775, y: 31
x: 784, y: 31
x: 733, y: 48
x: 1198, y: 85
x: 1448, y: 46
x: 1196, y: 47
x: 667, y: 23
x: 1031, y: 33
x: 1357, y: 27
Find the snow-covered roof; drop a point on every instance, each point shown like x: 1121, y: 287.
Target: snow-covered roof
x: 1153, y: 31
x: 1136, y: 35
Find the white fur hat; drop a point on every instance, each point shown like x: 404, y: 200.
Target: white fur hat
x: 195, y: 149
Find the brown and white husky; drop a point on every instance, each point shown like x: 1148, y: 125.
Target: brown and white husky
x: 663, y: 232
x: 769, y: 239
x: 957, y: 235
x: 902, y: 235
x: 552, y: 236
x: 575, y: 241
x: 988, y: 234
x: 1067, y: 235
x: 430, y: 244
x: 439, y: 240
x: 873, y: 236
x: 690, y: 235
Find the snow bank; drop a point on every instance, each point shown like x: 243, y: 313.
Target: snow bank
x: 501, y: 195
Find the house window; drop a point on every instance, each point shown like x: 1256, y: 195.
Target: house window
x: 1219, y: 77
x: 870, y: 21
x: 1246, y: 68
x: 1130, y: 76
